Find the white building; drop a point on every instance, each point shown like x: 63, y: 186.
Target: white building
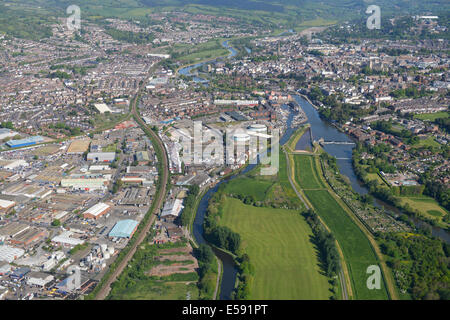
x: 102, y: 108
x: 172, y: 208
x: 66, y: 239
x: 39, y: 279
x: 9, y: 254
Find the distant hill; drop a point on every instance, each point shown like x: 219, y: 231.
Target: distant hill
x: 25, y: 18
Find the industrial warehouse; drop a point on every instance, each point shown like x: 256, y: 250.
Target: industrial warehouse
x: 59, y: 207
x: 124, y: 229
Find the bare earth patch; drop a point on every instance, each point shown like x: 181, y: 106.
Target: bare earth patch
x: 165, y: 270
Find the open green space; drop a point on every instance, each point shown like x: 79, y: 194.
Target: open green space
x: 191, y: 54
x: 426, y: 206
x: 357, y: 250
x: 249, y: 187
x: 154, y: 290
x: 376, y: 177
x: 283, y: 180
x: 135, y: 283
x: 306, y: 173
x: 432, y: 116
x: 428, y: 142
x: 269, y: 191
x: 278, y: 243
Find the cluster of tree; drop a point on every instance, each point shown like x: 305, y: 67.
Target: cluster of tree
x: 206, y: 261
x: 64, y: 127
x: 129, y: 36
x: 258, y: 59
x: 325, y: 242
x: 117, y: 185
x: 59, y: 74
x: 246, y: 274
x: 248, y: 200
x: 300, y: 78
x: 316, y: 53
x: 334, y: 109
x: 223, y: 237
x: 443, y: 123
x: 393, y: 51
x: 189, y: 204
x: 332, y: 161
x: 82, y: 70
x: 437, y: 191
x: 420, y: 265
x: 7, y: 125
x: 411, y: 92
x: 404, y: 134
x: 408, y: 190
x: 366, y: 70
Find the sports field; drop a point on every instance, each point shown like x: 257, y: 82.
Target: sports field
x: 432, y: 116
x: 357, y: 250
x: 278, y: 244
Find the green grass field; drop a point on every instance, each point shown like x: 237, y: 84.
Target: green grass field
x: 277, y: 241
x: 284, y: 182
x: 357, y: 250
x: 249, y: 187
x: 306, y: 173
x: 428, y: 142
x: 154, y: 290
x: 432, y: 116
x: 426, y: 205
x: 355, y: 246
x: 376, y: 177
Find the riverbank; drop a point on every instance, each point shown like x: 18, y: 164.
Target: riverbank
x: 189, y: 67
x: 323, y: 129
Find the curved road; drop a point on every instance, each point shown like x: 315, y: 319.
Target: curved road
x: 164, y: 178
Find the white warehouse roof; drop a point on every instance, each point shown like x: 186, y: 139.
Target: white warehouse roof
x: 4, y: 204
x: 98, y: 209
x: 64, y: 238
x: 9, y: 254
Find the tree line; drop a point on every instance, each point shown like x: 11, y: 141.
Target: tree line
x: 326, y: 243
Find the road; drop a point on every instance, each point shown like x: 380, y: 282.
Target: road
x: 164, y: 179
x: 289, y: 174
x: 219, y: 273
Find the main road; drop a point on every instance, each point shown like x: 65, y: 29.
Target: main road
x: 158, y: 201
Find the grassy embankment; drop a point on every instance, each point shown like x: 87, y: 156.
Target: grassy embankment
x: 357, y: 249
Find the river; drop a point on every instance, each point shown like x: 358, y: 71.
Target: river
x: 343, y: 153
x: 229, y: 270
x: 187, y: 70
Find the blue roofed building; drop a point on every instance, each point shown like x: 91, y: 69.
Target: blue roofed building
x: 25, y: 142
x: 124, y: 229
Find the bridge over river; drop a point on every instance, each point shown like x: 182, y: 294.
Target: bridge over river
x: 323, y: 142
